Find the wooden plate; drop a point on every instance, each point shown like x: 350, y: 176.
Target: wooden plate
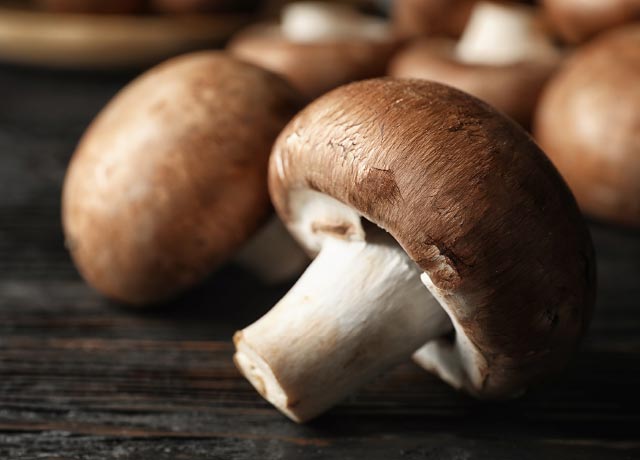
x: 86, y: 41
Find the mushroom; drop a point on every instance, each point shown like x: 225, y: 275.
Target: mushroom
x: 504, y: 57
x: 415, y: 18
x: 579, y: 20
x: 318, y: 46
x: 170, y: 178
x: 588, y: 122
x: 91, y: 6
x: 435, y: 220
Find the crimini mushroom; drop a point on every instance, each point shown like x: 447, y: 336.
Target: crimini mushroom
x: 588, y: 122
x: 487, y: 259
x: 170, y: 178
x: 504, y: 57
x: 415, y: 18
x: 579, y: 20
x: 318, y: 46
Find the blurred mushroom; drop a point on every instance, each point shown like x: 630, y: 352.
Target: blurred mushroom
x: 588, y: 122
x: 579, y: 20
x: 504, y: 57
x: 417, y: 18
x: 318, y: 46
x: 486, y: 258
x: 169, y: 181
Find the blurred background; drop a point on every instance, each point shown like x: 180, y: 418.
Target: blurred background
x: 82, y: 374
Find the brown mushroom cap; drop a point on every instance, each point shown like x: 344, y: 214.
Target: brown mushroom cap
x: 512, y: 88
x: 170, y: 178
x: 413, y: 18
x: 470, y: 198
x: 578, y: 20
x: 588, y: 122
x: 313, y: 67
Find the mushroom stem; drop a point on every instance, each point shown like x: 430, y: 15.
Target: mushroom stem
x: 321, y: 21
x: 359, y: 309
x: 503, y: 34
x: 272, y: 254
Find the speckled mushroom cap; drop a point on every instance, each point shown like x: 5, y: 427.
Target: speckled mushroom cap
x: 470, y: 198
x: 313, y: 67
x: 512, y: 88
x: 589, y: 124
x: 170, y: 178
x: 579, y: 20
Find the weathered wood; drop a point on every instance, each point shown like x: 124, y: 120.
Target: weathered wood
x: 81, y: 378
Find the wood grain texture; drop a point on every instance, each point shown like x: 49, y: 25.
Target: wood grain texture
x: 81, y: 378
x: 104, y: 41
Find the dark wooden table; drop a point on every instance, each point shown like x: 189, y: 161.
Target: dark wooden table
x: 81, y: 378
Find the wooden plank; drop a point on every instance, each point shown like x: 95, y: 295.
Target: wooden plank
x: 94, y: 41
x: 81, y: 378
x: 85, y: 395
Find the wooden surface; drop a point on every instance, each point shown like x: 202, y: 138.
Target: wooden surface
x: 105, y: 41
x: 81, y: 378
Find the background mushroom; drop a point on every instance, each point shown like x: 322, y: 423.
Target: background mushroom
x: 415, y: 18
x: 578, y: 20
x: 170, y: 178
x: 504, y: 57
x: 318, y: 46
x: 589, y: 124
x: 486, y: 258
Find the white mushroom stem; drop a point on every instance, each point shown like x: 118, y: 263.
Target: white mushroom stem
x: 359, y: 309
x: 321, y: 21
x: 503, y: 34
x: 272, y: 254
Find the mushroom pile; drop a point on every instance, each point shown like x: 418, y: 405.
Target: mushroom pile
x: 588, y: 122
x: 577, y: 21
x: 504, y: 57
x: 440, y: 231
x: 318, y: 46
x: 438, y: 226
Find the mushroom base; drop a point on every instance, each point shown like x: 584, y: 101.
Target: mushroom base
x: 359, y: 309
